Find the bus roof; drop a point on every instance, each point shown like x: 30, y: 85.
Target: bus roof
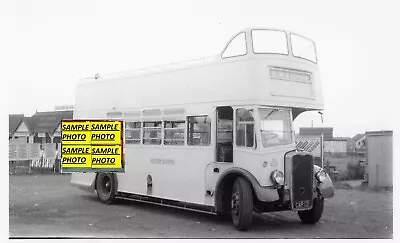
x: 253, y: 78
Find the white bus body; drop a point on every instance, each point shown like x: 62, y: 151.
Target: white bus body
x: 229, y: 99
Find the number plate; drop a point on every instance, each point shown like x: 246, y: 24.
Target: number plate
x: 302, y: 204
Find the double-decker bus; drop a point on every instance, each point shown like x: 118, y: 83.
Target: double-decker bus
x: 215, y: 134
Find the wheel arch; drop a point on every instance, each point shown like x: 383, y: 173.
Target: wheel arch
x: 107, y: 193
x: 224, y: 185
x: 114, y: 175
x: 94, y: 185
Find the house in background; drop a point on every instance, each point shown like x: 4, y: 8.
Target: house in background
x: 18, y: 129
x: 36, y: 139
x: 45, y: 127
x: 335, y: 154
x: 336, y: 145
x: 14, y: 120
x: 357, y: 143
x: 317, y: 131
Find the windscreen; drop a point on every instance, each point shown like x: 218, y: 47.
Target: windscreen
x: 276, y: 127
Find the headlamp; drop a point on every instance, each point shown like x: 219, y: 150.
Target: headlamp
x: 278, y: 177
x: 320, y: 176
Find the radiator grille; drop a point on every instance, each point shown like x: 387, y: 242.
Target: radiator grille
x: 302, y: 181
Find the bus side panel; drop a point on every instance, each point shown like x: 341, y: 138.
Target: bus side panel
x: 254, y: 163
x: 83, y: 180
x: 180, y: 87
x: 177, y: 173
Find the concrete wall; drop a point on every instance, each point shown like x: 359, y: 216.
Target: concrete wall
x: 335, y: 146
x: 339, y: 163
x: 380, y: 159
x: 344, y: 165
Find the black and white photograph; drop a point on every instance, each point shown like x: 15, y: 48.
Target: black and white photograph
x: 200, y: 119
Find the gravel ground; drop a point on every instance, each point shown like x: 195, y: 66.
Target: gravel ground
x: 48, y: 206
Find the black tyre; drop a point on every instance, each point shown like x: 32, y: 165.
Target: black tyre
x: 106, y: 187
x: 242, y: 204
x: 313, y: 215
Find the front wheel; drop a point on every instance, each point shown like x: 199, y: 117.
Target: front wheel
x: 242, y: 204
x: 313, y: 215
x: 106, y: 187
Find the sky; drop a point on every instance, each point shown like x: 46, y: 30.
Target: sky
x: 50, y: 45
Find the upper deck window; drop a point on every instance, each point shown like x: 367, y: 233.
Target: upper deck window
x: 303, y: 48
x: 269, y: 41
x: 237, y: 47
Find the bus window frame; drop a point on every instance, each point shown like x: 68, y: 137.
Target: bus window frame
x: 176, y: 128
x: 245, y: 41
x: 161, y: 132
x: 315, y: 48
x: 248, y: 108
x: 130, y: 129
x: 210, y: 143
x: 288, y: 46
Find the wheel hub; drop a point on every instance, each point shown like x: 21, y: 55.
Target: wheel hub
x: 107, y: 184
x: 235, y: 204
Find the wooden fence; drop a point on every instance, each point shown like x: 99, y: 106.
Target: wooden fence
x: 34, y: 157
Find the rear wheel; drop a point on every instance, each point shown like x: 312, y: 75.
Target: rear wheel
x: 106, y: 187
x: 242, y: 204
x: 313, y: 215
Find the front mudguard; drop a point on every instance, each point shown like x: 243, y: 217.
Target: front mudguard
x: 325, y: 188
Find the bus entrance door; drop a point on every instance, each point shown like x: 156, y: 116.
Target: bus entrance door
x: 224, y: 134
x: 224, y: 149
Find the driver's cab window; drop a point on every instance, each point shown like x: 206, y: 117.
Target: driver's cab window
x: 237, y: 47
x: 244, y: 128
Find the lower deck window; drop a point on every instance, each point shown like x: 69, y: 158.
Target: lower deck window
x: 199, y: 130
x: 174, y: 132
x: 132, y: 132
x: 152, y: 132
